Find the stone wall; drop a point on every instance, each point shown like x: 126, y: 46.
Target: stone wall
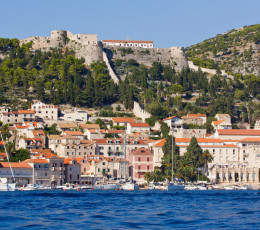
x: 139, y: 112
x: 111, y: 71
x: 205, y: 70
x: 174, y: 56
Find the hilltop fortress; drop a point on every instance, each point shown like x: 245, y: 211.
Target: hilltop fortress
x: 84, y: 45
x: 88, y: 47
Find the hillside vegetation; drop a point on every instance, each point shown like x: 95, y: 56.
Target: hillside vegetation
x: 58, y: 77
x: 237, y: 51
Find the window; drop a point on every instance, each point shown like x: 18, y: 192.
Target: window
x: 139, y: 158
x: 148, y: 167
x: 46, y: 174
x: 68, y: 153
x: 139, y: 167
x: 103, y: 163
x: 234, y: 151
x: 79, y: 153
x: 68, y: 147
x: 85, y: 169
x: 148, y: 159
x: 213, y: 151
x: 98, y: 170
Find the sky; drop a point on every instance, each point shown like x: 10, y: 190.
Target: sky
x: 167, y: 22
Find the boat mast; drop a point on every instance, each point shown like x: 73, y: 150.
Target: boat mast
x: 114, y: 151
x: 172, y: 155
x: 7, y: 156
x: 125, y: 149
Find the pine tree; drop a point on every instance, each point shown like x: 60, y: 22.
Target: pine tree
x: 194, y: 153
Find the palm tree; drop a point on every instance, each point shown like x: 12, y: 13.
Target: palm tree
x: 206, y: 158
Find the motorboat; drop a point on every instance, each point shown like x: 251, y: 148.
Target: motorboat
x: 111, y: 186
x: 5, y: 186
x: 30, y: 187
x: 191, y: 187
x: 129, y: 186
x: 174, y: 186
x: 86, y: 187
x: 202, y: 187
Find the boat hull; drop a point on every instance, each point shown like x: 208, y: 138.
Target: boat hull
x: 174, y: 187
x: 130, y: 186
x: 7, y: 187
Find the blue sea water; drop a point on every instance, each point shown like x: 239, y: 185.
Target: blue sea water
x: 130, y: 210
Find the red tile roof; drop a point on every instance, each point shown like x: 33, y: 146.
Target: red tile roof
x: 74, y: 133
x: 39, y: 161
x: 46, y: 153
x: 123, y: 120
x: 115, y: 131
x: 239, y: 132
x: 251, y: 140
x: 197, y: 115
x: 38, y: 133
x: 217, y: 122
x: 168, y: 118
x: 26, y: 111
x: 141, y: 151
x: 139, y: 125
x: 127, y: 41
x: 15, y: 165
x: 22, y: 127
x: 2, y: 143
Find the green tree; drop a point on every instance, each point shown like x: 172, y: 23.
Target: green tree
x: 164, y: 130
x: 194, y: 153
x: 205, y: 159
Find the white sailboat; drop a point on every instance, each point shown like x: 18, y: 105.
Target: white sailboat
x: 128, y: 185
x: 172, y: 186
x: 4, y: 185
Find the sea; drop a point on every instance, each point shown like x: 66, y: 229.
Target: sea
x: 143, y: 209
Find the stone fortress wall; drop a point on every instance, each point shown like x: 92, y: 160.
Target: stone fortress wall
x: 174, y: 56
x: 88, y: 47
x: 84, y: 45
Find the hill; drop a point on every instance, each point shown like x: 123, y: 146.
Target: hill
x: 236, y: 51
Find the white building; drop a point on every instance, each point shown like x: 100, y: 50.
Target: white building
x: 128, y: 43
x: 45, y: 111
x: 137, y: 127
x: 77, y: 115
x: 174, y: 123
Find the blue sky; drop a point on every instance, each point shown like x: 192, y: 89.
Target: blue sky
x: 166, y: 22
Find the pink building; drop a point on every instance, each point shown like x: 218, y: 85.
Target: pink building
x: 141, y: 161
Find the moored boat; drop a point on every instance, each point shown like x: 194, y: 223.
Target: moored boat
x: 129, y: 186
x: 174, y: 186
x: 5, y: 186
